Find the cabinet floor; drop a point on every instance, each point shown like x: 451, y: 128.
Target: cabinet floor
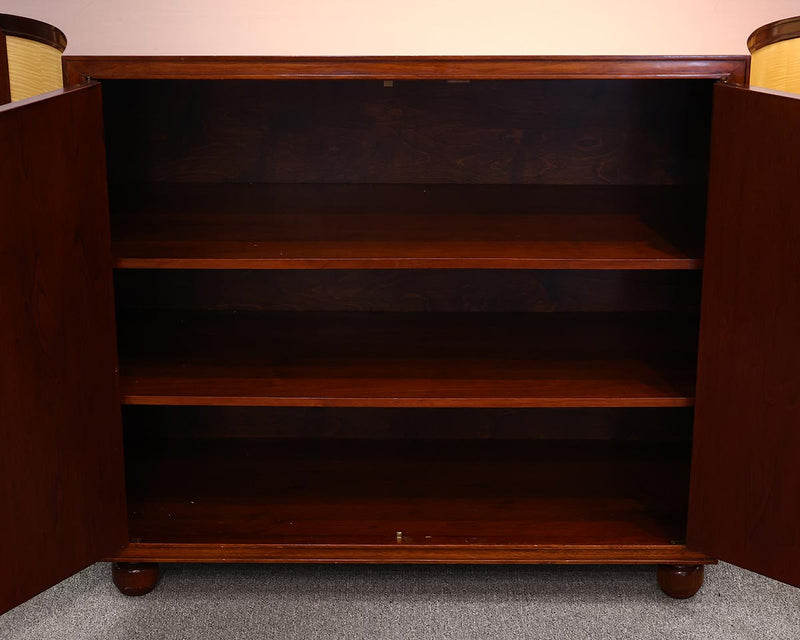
x: 428, y: 492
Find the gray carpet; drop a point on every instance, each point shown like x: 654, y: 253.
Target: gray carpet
x: 408, y: 602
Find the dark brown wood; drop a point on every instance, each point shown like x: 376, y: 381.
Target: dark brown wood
x: 405, y: 360
x: 61, y: 460
x: 407, y: 554
x: 746, y: 477
x: 407, y: 290
x: 31, y: 29
x: 559, y: 132
x: 680, y: 581
x: 406, y: 493
x: 135, y: 578
x: 732, y: 68
x: 647, y: 424
x: 598, y: 185
x: 773, y: 32
x: 245, y: 226
x: 5, y: 80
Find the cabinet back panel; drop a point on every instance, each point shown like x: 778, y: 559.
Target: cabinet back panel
x: 501, y: 132
x: 143, y: 423
x: 409, y: 290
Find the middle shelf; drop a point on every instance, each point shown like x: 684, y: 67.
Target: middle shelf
x: 375, y: 359
x: 406, y: 226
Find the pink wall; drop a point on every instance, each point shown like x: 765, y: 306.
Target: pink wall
x: 404, y: 27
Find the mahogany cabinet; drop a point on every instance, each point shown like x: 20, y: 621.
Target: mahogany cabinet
x: 414, y: 310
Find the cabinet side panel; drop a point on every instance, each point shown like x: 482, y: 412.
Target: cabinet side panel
x: 62, y: 505
x: 745, y: 493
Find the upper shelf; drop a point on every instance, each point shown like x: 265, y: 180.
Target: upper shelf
x: 327, y: 226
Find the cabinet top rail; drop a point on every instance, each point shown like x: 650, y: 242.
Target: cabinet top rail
x: 730, y: 68
x: 30, y: 29
x: 774, y: 32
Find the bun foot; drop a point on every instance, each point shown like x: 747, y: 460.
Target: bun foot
x: 680, y: 581
x: 134, y: 578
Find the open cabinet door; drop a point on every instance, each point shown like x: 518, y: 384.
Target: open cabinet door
x: 744, y: 505
x: 61, y: 463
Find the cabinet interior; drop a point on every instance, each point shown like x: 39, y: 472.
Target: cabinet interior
x: 408, y: 313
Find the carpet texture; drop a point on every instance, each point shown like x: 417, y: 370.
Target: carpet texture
x: 201, y: 602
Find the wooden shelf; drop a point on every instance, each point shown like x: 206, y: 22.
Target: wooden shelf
x: 327, y: 226
x: 408, y: 554
x: 407, y: 360
x: 439, y: 494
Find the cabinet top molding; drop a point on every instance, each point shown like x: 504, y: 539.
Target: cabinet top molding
x: 730, y: 68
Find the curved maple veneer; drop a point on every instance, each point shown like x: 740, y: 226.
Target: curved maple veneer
x: 775, y: 50
x: 30, y: 57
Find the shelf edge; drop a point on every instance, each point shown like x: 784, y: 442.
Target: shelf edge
x: 406, y: 554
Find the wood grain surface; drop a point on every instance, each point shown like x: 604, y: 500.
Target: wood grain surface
x: 411, y: 360
x: 407, y: 493
x: 61, y: 458
x: 262, y: 226
x: 745, y: 473
x: 732, y: 68
x: 407, y: 554
x: 588, y: 424
x: 635, y: 132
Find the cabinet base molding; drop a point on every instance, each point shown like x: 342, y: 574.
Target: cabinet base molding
x: 135, y: 578
x: 680, y: 581
x: 142, y: 552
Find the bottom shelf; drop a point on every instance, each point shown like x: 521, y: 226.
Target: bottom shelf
x: 257, y: 499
